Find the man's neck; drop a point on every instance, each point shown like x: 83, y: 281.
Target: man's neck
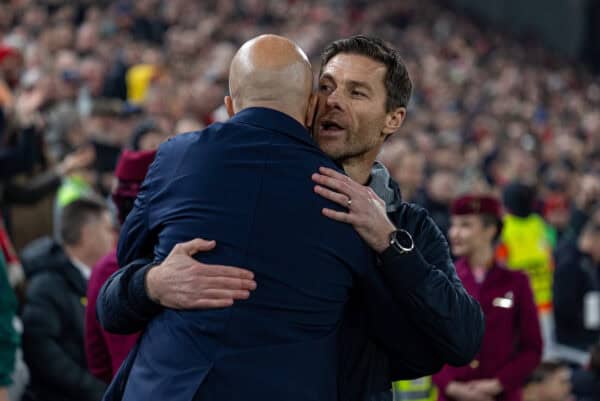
x: 359, y: 169
x: 293, y: 113
x: 75, y: 253
x: 482, y: 258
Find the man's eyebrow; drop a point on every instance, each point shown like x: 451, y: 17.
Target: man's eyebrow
x: 360, y: 84
x: 353, y: 83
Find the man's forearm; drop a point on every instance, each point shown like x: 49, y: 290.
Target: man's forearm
x: 447, y: 315
x: 123, y: 307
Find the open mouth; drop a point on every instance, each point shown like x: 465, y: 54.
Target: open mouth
x: 330, y: 127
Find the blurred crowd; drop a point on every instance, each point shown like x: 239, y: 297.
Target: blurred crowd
x: 82, y: 81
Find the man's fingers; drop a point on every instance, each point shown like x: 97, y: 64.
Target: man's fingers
x: 225, y: 271
x: 212, y: 303
x: 333, y: 183
x: 215, y: 293
x: 339, y: 216
x: 334, y: 174
x: 336, y: 197
x: 228, y: 283
x: 194, y: 246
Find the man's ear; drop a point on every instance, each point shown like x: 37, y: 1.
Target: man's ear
x: 393, y: 121
x: 229, y: 105
x: 313, y: 103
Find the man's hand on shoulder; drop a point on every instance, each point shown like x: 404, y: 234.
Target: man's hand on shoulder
x: 181, y: 282
x: 366, y: 210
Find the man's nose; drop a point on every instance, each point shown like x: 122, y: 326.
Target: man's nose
x: 335, y: 99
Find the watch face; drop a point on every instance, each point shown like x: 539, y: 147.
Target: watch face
x: 404, y: 239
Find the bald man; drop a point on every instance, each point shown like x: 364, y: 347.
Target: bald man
x: 246, y: 184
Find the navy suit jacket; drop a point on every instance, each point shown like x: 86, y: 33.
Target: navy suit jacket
x: 247, y: 184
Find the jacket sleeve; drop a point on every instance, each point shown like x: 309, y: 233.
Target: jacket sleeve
x: 41, y: 339
x: 393, y: 331
x: 529, y: 354
x: 424, y: 283
x: 123, y: 307
x: 34, y: 190
x: 96, y: 349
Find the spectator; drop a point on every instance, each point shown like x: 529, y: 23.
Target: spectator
x: 53, y: 316
x: 147, y: 136
x: 512, y: 345
x: 437, y: 197
x: 577, y: 288
x: 407, y: 167
x: 549, y: 382
x: 105, y: 351
x: 586, y: 200
x: 526, y: 245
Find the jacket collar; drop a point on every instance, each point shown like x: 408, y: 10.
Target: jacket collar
x: 74, y: 277
x: 273, y: 120
x: 384, y: 186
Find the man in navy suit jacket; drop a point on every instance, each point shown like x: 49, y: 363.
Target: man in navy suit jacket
x: 246, y: 184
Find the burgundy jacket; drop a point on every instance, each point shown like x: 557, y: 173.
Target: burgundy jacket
x: 105, y: 352
x: 512, y: 344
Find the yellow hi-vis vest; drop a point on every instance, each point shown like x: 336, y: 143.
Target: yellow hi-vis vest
x: 421, y: 389
x: 526, y: 246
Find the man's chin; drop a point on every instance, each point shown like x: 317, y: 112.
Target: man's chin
x: 334, y: 149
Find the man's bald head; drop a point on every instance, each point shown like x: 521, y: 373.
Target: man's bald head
x: 271, y: 71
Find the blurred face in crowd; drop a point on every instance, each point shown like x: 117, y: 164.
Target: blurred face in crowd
x: 411, y: 170
x: 468, y: 233
x: 352, y: 121
x: 442, y: 186
x: 556, y: 212
x: 151, y: 140
x: 92, y: 71
x: 98, y: 236
x: 10, y: 68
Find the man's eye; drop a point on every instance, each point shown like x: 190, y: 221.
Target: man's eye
x: 324, y: 88
x: 358, y: 94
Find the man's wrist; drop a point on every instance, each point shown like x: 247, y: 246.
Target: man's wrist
x: 150, y: 280
x: 383, y: 241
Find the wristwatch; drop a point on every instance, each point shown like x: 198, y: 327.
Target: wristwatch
x: 402, y: 241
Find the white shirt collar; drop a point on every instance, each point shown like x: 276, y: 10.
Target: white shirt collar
x: 85, y: 270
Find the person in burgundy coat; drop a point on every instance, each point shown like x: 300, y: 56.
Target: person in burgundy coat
x: 105, y: 351
x: 512, y: 344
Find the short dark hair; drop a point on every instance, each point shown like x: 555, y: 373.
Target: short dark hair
x: 544, y: 371
x: 397, y: 81
x: 76, y: 215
